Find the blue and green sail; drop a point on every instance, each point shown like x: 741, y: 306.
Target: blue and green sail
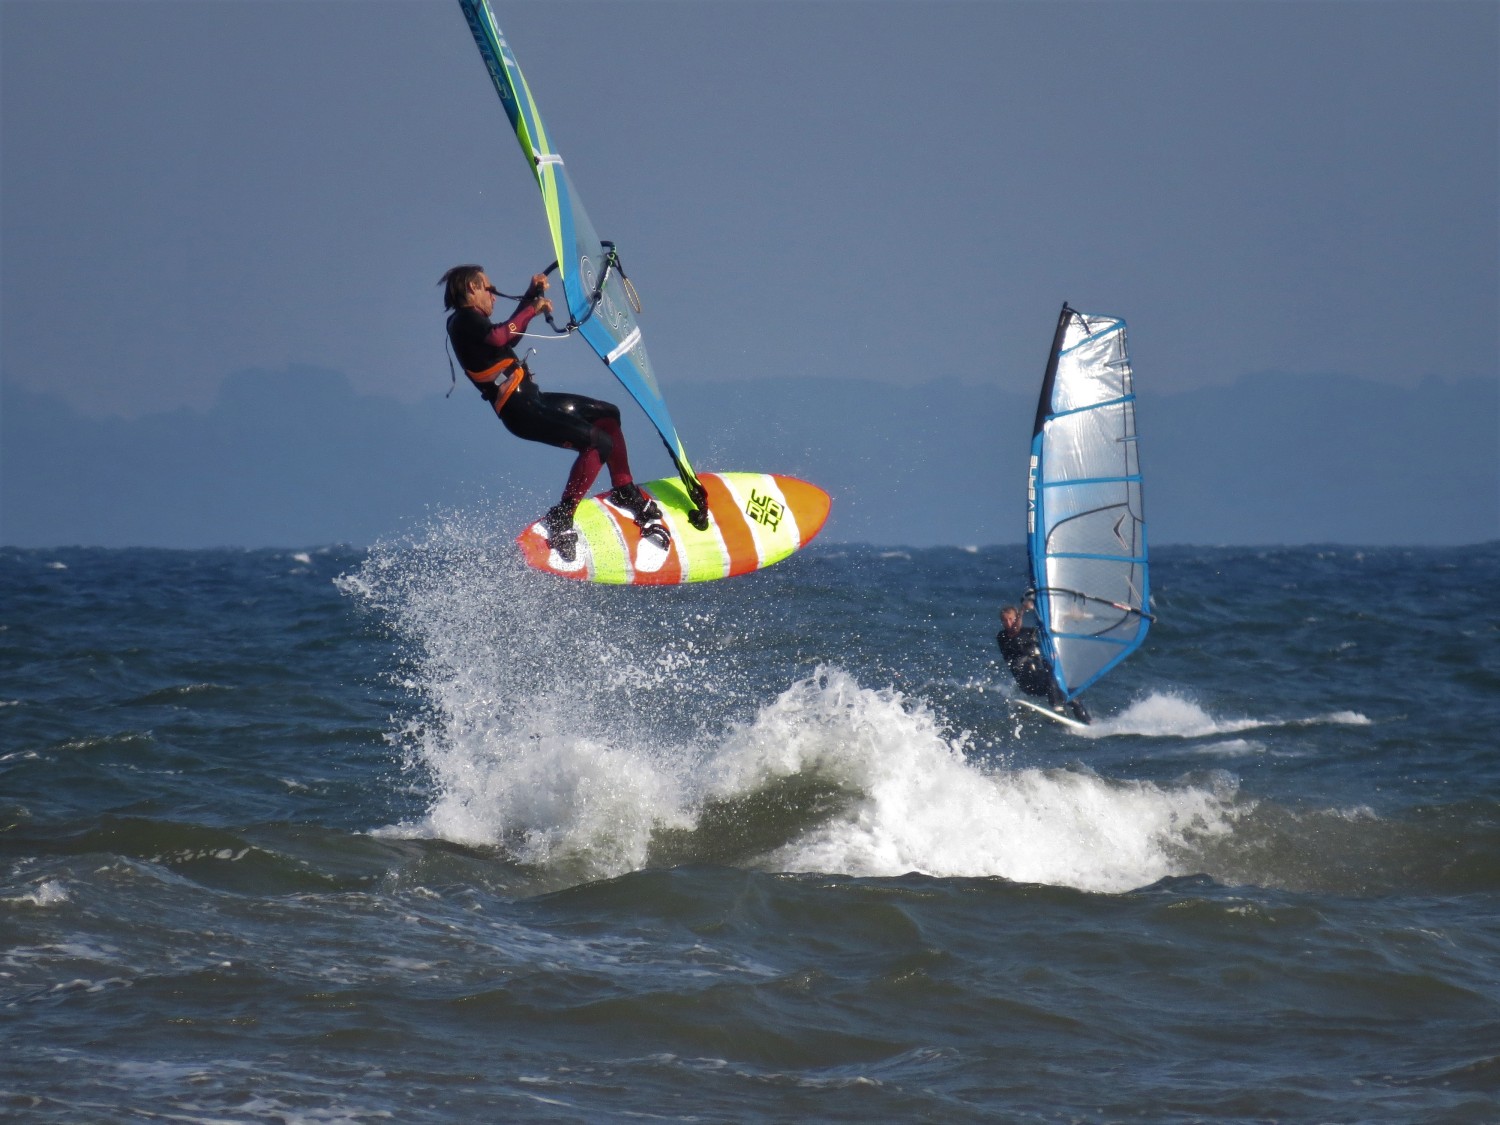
x: 601, y: 302
x: 1085, y: 524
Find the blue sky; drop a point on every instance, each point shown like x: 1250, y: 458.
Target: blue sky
x: 888, y: 193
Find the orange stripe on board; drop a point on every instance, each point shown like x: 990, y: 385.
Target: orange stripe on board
x: 744, y: 556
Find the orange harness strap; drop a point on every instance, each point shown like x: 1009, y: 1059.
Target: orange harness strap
x: 491, y: 375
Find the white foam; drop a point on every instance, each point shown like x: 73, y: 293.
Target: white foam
x: 1234, y: 748
x: 523, y: 737
x: 540, y: 734
x: 1340, y: 718
x: 924, y: 806
x: 1168, y: 715
x: 556, y: 799
x: 49, y: 892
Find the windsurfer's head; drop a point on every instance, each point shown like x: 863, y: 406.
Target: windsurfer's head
x: 466, y: 285
x: 1010, y: 619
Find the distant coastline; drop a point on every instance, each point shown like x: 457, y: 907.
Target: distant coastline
x: 295, y: 457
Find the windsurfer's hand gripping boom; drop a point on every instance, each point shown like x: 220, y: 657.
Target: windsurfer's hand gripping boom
x: 536, y: 294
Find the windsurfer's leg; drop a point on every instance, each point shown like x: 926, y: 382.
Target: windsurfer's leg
x: 606, y: 435
x: 561, y: 420
x: 592, y: 427
x: 553, y: 419
x: 568, y: 422
x: 583, y: 474
x: 617, y: 457
x: 588, y: 410
x: 610, y: 439
x: 559, y: 518
x: 1054, y: 696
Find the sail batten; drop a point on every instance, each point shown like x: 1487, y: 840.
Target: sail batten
x: 1094, y: 406
x: 1086, y: 527
x: 1090, y: 480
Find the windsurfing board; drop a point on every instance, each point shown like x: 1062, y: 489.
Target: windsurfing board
x: 754, y: 520
x: 1055, y: 716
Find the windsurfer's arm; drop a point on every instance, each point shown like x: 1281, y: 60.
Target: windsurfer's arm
x: 505, y: 335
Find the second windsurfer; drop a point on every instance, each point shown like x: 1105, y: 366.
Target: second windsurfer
x: 1022, y: 650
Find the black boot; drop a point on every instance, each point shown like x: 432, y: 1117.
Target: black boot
x: 558, y: 524
x: 640, y: 506
x: 645, y: 511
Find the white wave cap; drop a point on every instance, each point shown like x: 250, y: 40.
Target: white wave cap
x: 925, y: 807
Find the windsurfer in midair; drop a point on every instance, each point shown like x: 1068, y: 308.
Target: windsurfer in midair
x: 1022, y: 649
x: 487, y: 354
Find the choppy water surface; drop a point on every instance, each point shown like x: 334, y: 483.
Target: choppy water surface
x: 411, y: 835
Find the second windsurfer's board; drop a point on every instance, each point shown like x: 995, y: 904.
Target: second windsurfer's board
x: 1055, y: 716
x: 754, y: 520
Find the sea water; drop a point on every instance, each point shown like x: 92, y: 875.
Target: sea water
x: 415, y: 835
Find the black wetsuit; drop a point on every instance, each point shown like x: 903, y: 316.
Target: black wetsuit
x: 1023, y: 655
x: 564, y: 420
